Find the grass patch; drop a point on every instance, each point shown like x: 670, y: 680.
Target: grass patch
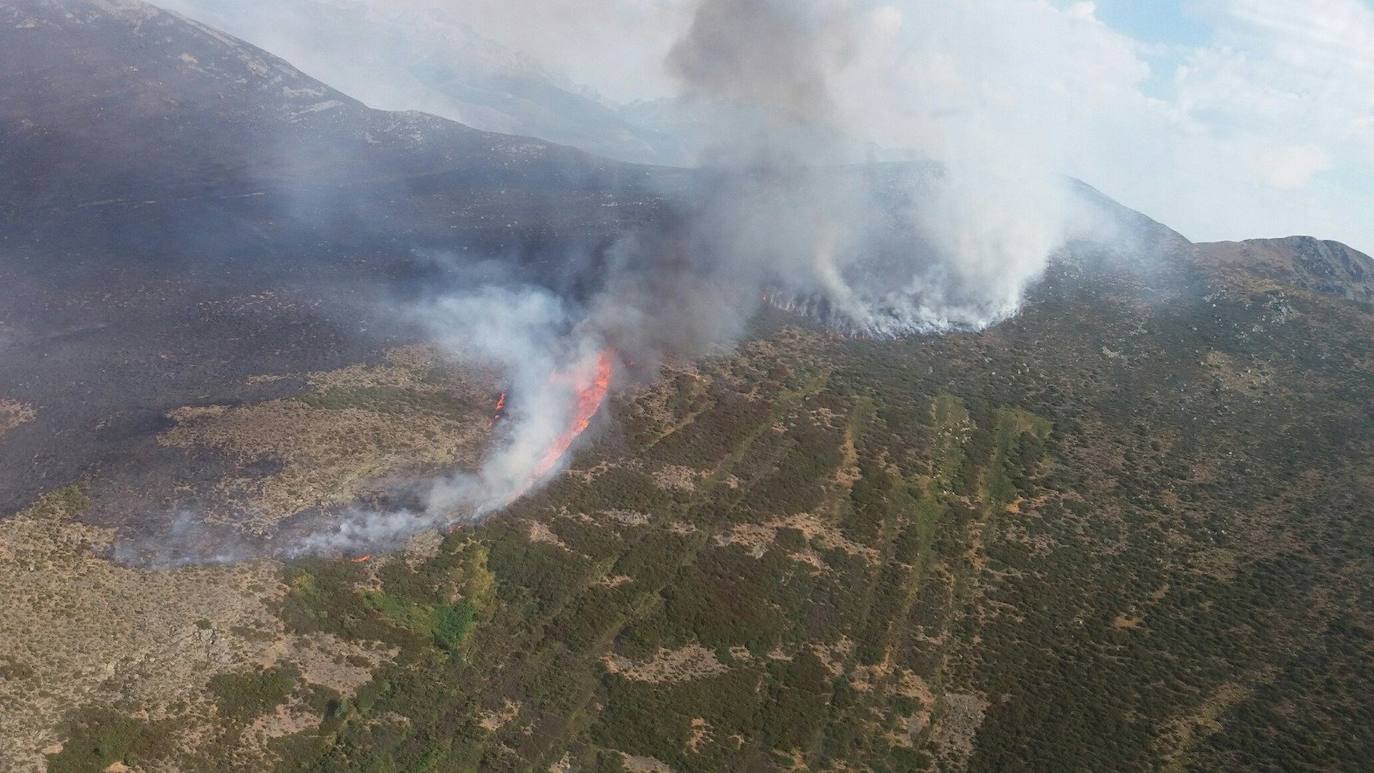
x: 388, y: 400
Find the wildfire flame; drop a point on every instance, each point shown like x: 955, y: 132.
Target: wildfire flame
x: 500, y: 409
x: 590, y: 395
x: 590, y: 385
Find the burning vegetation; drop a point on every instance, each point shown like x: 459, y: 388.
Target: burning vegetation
x: 591, y: 389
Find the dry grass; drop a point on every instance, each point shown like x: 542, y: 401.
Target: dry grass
x: 423, y: 547
x: 834, y: 655
x: 329, y: 455
x: 287, y: 719
x: 848, y: 472
x: 85, y: 630
x: 491, y: 721
x: 625, y: 517
x: 1183, y: 733
x: 80, y: 630
x: 958, y: 724
x: 326, y: 660
x: 680, y: 665
x: 909, y: 684
x: 701, y: 735
x: 540, y: 532
x: 634, y: 764
x: 678, y: 478
x: 14, y: 413
x: 867, y: 678
x: 756, y: 538
x: 1239, y: 376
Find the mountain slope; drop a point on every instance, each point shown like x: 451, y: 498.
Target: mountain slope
x: 1301, y: 261
x: 395, y: 56
x: 1127, y: 529
x: 155, y: 128
x: 179, y: 210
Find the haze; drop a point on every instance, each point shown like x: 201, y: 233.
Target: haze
x: 1224, y: 118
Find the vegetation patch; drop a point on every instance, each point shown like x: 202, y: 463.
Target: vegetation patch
x: 245, y: 695
x: 354, y: 429
x: 14, y: 413
x: 1063, y: 542
x: 99, y: 737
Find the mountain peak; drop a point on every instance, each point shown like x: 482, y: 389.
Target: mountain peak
x: 1323, y: 266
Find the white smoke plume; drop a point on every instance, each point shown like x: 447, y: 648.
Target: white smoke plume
x: 532, y: 339
x: 881, y: 249
x: 525, y: 333
x: 788, y: 209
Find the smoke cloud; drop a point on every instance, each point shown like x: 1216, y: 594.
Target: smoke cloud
x: 529, y: 335
x: 546, y: 355
x: 791, y: 207
x: 883, y: 249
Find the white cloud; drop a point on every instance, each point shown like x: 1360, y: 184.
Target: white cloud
x: 1291, y: 168
x: 1267, y: 130
x: 1083, y: 10
x: 1280, y: 108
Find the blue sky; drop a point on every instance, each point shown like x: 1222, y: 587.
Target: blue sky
x: 1260, y: 116
x: 1169, y: 22
x: 1167, y: 28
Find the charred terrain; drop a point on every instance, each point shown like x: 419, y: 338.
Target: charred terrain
x: 1128, y: 529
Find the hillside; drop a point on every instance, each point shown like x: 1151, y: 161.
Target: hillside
x: 1321, y: 266
x: 180, y: 211
x: 1127, y: 514
x: 168, y: 137
x: 1127, y: 529
x: 399, y: 56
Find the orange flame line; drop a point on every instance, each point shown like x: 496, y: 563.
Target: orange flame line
x: 589, y: 400
x: 500, y: 408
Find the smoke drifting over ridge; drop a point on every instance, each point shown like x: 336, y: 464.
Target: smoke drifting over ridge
x: 787, y: 217
x: 878, y: 249
x: 787, y: 210
x: 773, y: 64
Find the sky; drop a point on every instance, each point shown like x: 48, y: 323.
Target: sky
x: 1224, y: 119
x: 1256, y: 117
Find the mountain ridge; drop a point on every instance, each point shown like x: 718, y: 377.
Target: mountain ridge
x: 1125, y: 529
x: 434, y: 64
x: 1324, y: 266
x: 131, y: 117
x: 248, y: 123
